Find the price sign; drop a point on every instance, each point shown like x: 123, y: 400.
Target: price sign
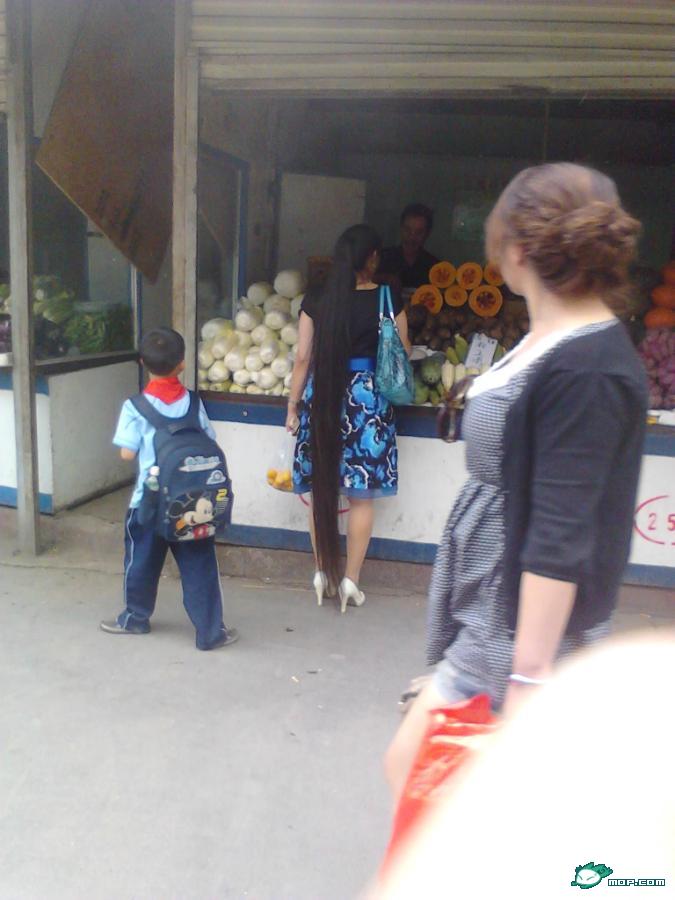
x: 655, y: 520
x: 481, y: 352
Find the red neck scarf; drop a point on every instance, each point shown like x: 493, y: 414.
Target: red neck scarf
x: 168, y: 389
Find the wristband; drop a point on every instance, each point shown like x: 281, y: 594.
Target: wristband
x: 524, y: 679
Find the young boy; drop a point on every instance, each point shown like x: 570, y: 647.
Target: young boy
x: 163, y: 353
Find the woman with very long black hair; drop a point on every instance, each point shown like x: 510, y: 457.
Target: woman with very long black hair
x: 346, y: 441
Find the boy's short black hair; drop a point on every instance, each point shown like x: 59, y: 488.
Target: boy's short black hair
x: 419, y: 210
x: 162, y: 350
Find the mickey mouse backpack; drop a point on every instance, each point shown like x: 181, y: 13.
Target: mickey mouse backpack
x: 194, y: 500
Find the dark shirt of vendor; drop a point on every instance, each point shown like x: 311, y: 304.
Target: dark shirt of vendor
x: 407, y: 266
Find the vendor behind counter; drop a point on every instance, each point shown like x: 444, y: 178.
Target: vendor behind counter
x: 407, y: 265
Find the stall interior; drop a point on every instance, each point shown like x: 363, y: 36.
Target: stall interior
x: 82, y: 297
x: 287, y: 176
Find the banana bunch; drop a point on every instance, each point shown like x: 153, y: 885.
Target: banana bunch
x: 454, y: 370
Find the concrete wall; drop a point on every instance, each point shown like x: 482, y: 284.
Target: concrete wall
x: 84, y: 407
x: 431, y: 474
x: 244, y: 129
x: 8, y: 446
x: 446, y: 183
x: 76, y: 417
x: 445, y: 160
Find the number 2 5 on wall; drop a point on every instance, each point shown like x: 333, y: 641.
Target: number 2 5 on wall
x: 654, y: 521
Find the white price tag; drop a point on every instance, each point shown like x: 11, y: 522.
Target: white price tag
x: 481, y: 352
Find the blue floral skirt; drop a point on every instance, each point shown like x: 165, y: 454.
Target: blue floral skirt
x: 369, y: 466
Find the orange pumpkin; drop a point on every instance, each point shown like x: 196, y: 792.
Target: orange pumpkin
x: 664, y: 295
x: 442, y: 274
x: 668, y: 272
x: 492, y: 275
x: 486, y: 300
x: 429, y: 296
x: 469, y: 275
x: 456, y: 295
x: 660, y: 317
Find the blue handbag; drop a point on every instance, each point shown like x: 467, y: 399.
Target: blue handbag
x: 393, y: 372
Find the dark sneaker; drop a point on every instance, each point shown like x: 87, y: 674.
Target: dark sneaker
x: 230, y: 637
x: 114, y: 627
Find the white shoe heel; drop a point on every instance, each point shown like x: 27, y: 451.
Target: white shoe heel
x: 320, y: 586
x: 350, y: 594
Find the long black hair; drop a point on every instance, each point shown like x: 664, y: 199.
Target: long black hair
x: 330, y: 359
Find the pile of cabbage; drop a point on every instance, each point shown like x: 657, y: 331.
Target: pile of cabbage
x: 254, y: 353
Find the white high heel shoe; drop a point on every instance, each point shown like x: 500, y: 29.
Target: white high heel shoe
x: 320, y: 586
x: 350, y: 594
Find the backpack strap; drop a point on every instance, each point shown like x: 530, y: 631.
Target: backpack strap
x: 167, y: 423
x: 148, y: 411
x: 192, y: 415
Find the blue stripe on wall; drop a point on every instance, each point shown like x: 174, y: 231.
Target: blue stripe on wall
x: 650, y: 576
x: 660, y: 444
x: 410, y: 422
x: 41, y: 383
x: 402, y: 551
x: 250, y: 414
x: 286, y: 539
x: 8, y: 498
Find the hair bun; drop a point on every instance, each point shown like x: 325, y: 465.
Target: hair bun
x: 598, y: 235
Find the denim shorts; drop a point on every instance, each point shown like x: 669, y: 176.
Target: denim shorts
x: 455, y: 685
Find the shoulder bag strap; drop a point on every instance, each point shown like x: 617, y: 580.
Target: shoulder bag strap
x: 389, y: 303
x: 385, y: 295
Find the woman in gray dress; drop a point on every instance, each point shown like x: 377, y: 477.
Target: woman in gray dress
x: 531, y: 558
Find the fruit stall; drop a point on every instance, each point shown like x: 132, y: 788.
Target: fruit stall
x: 86, y: 366
x: 460, y: 323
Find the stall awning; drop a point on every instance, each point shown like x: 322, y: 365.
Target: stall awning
x: 347, y: 47
x: 3, y: 58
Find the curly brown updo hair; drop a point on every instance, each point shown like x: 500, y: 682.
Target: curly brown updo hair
x: 572, y: 229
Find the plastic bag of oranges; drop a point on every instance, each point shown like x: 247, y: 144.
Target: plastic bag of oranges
x: 280, y: 470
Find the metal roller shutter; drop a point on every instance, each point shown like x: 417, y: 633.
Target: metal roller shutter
x: 343, y: 48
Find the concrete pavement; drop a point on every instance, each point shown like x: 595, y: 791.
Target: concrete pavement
x: 138, y: 767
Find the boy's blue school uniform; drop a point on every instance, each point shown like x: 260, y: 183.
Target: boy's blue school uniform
x: 145, y: 551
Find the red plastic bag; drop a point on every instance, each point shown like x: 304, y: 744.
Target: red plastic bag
x: 453, y: 736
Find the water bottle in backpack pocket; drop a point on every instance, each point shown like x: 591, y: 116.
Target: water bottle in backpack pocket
x: 194, y: 500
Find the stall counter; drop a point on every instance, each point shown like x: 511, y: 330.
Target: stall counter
x: 431, y: 473
x: 77, y: 405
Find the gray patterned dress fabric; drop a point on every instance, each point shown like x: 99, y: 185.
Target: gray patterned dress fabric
x: 467, y: 634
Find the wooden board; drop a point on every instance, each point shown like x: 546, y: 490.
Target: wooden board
x: 108, y: 141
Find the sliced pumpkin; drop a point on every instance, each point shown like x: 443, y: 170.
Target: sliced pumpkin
x: 660, y: 317
x: 664, y: 296
x: 469, y: 275
x: 492, y: 275
x: 486, y: 300
x: 429, y: 296
x: 442, y: 274
x: 456, y: 295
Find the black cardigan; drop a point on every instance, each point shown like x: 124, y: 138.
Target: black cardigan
x: 572, y: 450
